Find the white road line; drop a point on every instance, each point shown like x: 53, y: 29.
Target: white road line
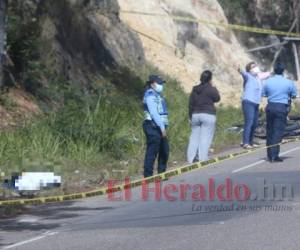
x: 248, y: 166
x: 262, y: 161
x: 28, y: 219
x: 44, y: 235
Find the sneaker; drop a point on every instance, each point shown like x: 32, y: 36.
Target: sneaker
x: 247, y: 146
x: 254, y: 145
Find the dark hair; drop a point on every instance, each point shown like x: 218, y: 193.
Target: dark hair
x: 206, y: 77
x: 148, y: 84
x: 279, y: 68
x: 249, y: 66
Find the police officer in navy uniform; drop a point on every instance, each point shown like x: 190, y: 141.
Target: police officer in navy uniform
x: 278, y: 90
x: 155, y: 126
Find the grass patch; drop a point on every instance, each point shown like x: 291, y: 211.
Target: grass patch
x: 227, y: 117
x: 7, y: 102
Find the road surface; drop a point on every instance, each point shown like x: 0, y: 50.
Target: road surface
x: 97, y: 223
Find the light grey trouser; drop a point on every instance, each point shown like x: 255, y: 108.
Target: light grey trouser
x: 203, y: 129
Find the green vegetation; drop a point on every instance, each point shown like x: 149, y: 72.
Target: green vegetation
x: 227, y: 117
x: 243, y: 12
x: 98, y: 132
x: 23, y: 48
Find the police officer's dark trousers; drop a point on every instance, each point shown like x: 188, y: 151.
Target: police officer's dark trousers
x: 156, y: 146
x: 276, y: 122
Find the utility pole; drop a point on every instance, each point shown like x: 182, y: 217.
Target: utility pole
x: 295, y: 50
x: 3, y: 6
x: 281, y: 47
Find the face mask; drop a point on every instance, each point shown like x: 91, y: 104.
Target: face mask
x: 159, y: 88
x: 255, y: 70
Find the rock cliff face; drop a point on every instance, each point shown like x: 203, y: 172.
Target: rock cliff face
x: 192, y: 47
x: 82, y: 39
x: 88, y: 39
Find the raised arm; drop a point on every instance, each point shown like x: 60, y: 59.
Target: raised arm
x: 243, y: 73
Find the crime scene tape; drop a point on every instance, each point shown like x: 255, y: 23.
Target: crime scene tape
x: 136, y: 183
x: 216, y: 24
x: 173, y: 46
x: 153, y: 39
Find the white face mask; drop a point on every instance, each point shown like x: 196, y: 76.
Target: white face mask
x: 255, y: 70
x: 159, y: 88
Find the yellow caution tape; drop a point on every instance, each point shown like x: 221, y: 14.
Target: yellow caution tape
x: 217, y: 24
x: 159, y: 177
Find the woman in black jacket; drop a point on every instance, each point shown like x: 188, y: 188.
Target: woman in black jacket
x: 202, y: 114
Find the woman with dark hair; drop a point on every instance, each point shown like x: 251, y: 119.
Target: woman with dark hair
x: 252, y: 95
x: 202, y: 114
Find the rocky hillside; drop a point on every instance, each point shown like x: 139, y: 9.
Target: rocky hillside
x: 79, y: 39
x: 192, y: 47
x: 83, y: 40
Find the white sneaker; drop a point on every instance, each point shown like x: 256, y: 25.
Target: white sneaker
x: 247, y: 146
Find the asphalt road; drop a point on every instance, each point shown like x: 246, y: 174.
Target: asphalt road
x: 181, y: 224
